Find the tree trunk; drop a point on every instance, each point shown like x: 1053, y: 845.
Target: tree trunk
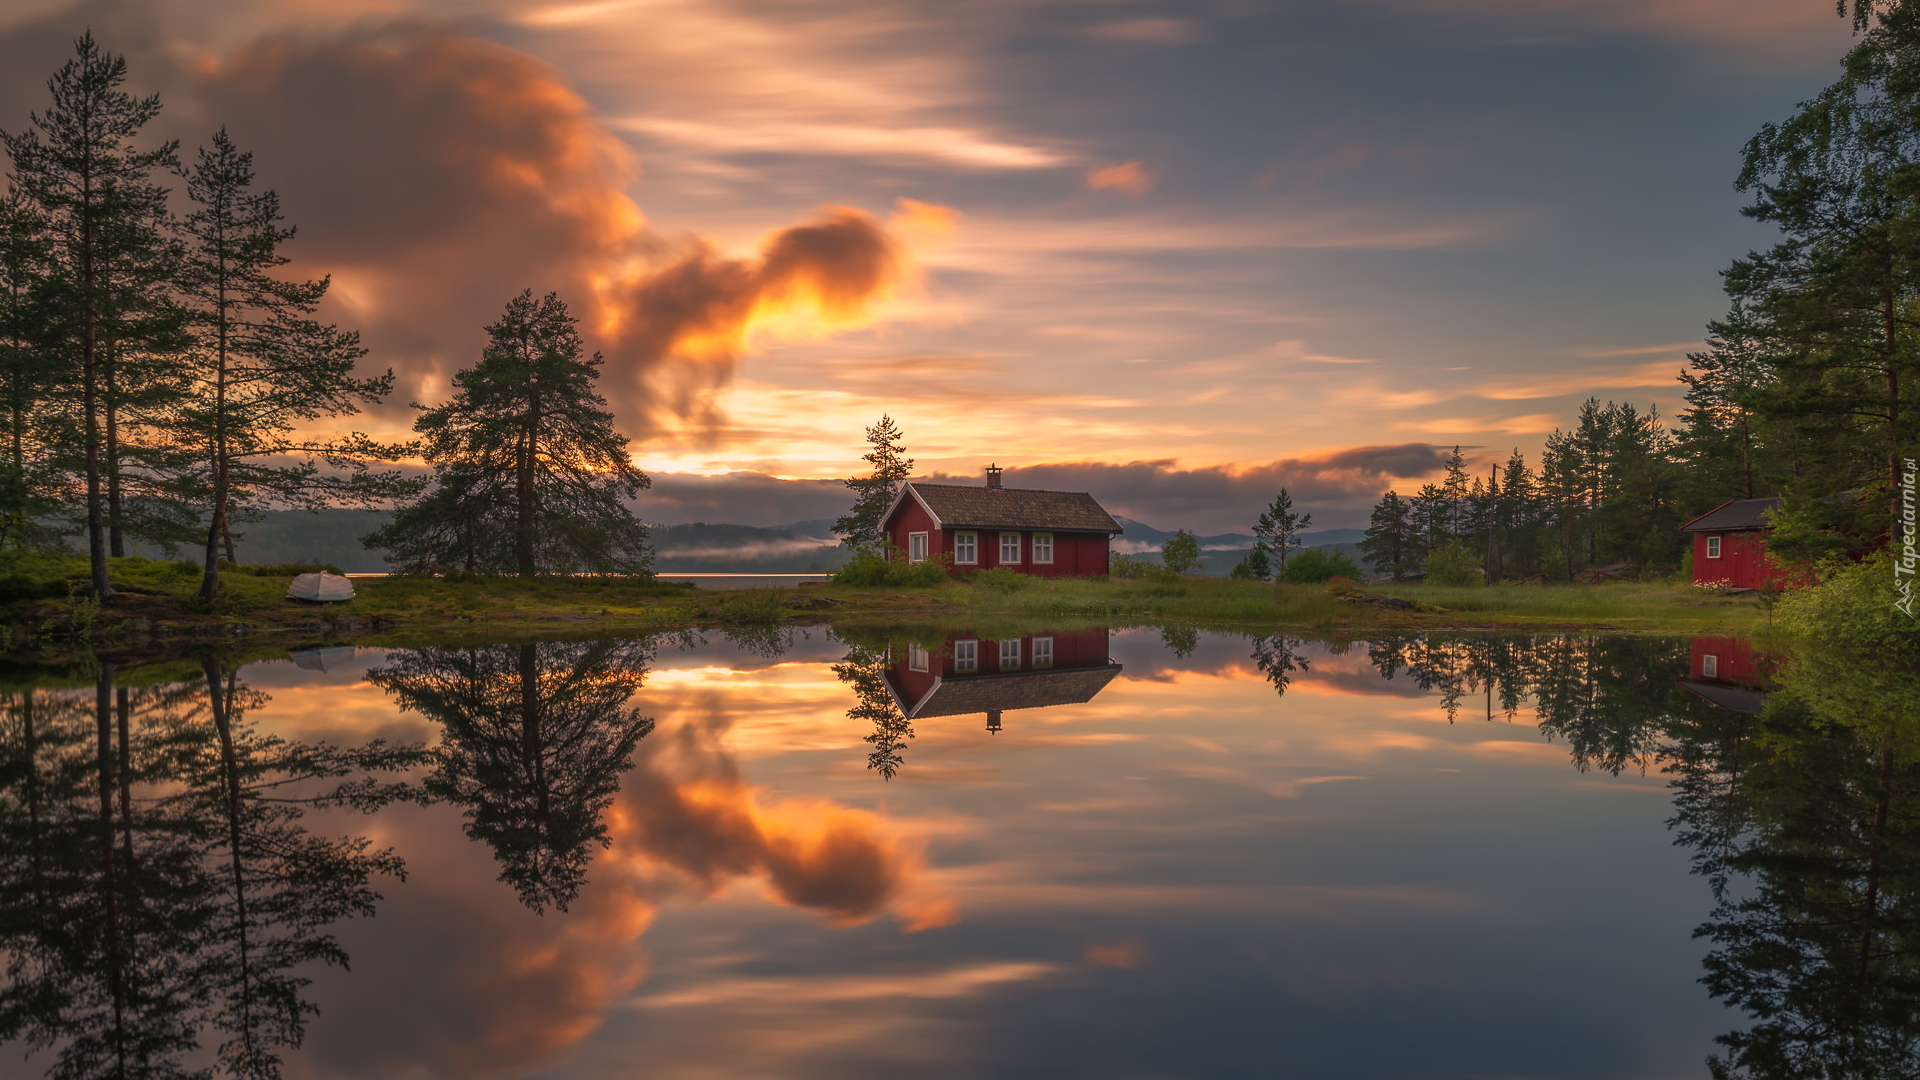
x: 217, y: 528
x: 230, y: 771
x: 523, y: 531
x: 90, y: 396
x: 116, y: 535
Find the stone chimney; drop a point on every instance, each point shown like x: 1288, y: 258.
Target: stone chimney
x: 993, y: 478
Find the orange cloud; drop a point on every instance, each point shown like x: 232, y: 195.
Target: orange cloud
x: 435, y: 175
x: 1130, y: 177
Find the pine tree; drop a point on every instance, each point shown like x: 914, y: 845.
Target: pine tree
x: 526, y: 456
x: 107, y: 258
x: 1391, y: 545
x: 260, y: 364
x: 28, y: 479
x: 1278, y: 530
x: 861, y: 526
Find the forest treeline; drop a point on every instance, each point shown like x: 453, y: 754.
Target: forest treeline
x: 1807, y: 389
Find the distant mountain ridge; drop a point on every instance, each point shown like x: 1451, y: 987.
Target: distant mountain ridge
x: 803, y: 547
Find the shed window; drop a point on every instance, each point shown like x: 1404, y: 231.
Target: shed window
x: 1042, y: 652
x: 1713, y: 547
x: 1009, y: 547
x: 1709, y: 666
x: 966, y: 656
x: 916, y: 547
x: 966, y: 548
x: 916, y: 658
x: 1042, y: 548
x: 1010, y: 655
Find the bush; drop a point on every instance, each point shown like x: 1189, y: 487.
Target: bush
x: 1311, y: 566
x: 869, y: 568
x: 1126, y: 566
x: 1452, y: 564
x: 1254, y: 567
x: 291, y: 569
x: 1002, y: 579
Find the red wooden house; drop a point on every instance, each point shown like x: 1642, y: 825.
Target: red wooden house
x: 973, y: 674
x: 1730, y: 545
x: 1049, y: 533
x: 1727, y: 672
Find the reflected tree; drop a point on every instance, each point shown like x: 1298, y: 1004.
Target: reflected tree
x: 156, y: 883
x: 1180, y: 640
x: 865, y: 670
x: 1809, y: 834
x: 536, y: 738
x: 1278, y: 658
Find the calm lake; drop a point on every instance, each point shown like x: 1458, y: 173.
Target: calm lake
x: 1020, y: 852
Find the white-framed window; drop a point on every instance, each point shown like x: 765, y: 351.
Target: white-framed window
x: 916, y: 658
x: 966, y: 656
x: 917, y: 547
x: 1010, y: 655
x: 1042, y: 652
x: 1709, y: 666
x: 966, y: 548
x: 1042, y: 548
x: 1713, y: 547
x: 1009, y: 548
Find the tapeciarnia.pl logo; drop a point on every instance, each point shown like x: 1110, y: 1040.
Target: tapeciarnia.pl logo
x: 1906, y: 559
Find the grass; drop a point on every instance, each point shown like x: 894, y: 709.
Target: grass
x: 44, y: 608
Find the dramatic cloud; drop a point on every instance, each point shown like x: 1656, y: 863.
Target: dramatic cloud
x: 741, y: 498
x: 436, y: 174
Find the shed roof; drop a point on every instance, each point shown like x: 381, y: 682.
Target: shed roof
x: 1738, y: 514
x: 1731, y: 698
x: 1011, y: 690
x: 958, y: 507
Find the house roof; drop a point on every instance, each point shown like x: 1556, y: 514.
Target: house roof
x: 1013, y: 690
x: 1738, y: 514
x: 1731, y: 698
x: 957, y: 507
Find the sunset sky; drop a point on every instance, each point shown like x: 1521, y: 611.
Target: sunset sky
x: 1176, y: 254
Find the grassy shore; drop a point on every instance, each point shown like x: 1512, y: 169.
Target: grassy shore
x: 44, y: 609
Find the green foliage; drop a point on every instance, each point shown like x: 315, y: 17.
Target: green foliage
x: 284, y: 569
x: 1181, y: 554
x: 1001, y: 579
x: 1453, y: 564
x: 869, y: 568
x: 1390, y: 545
x: 1254, y: 566
x: 1126, y: 566
x: 860, y: 527
x: 1313, y: 566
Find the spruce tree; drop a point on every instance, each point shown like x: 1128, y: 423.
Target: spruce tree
x: 261, y: 365
x: 1391, y: 545
x: 107, y: 258
x: 526, y: 456
x: 861, y: 526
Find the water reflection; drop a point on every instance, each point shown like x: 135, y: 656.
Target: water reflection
x: 157, y: 884
x: 1170, y: 872
x: 534, y: 741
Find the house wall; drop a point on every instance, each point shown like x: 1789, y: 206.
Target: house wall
x: 911, y: 517
x: 1743, y: 560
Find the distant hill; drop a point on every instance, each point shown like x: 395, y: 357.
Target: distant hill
x: 1223, y: 551
x: 722, y: 549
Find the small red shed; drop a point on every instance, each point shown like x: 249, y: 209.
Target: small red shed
x: 1730, y: 545
x: 1048, y: 533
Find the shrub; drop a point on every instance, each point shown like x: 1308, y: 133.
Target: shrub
x: 291, y: 569
x: 1126, y: 566
x: 1002, y: 579
x: 1311, y: 566
x: 1452, y: 564
x: 870, y: 568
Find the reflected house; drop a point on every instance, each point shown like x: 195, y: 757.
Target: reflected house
x: 1727, y: 672
x: 975, y: 674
